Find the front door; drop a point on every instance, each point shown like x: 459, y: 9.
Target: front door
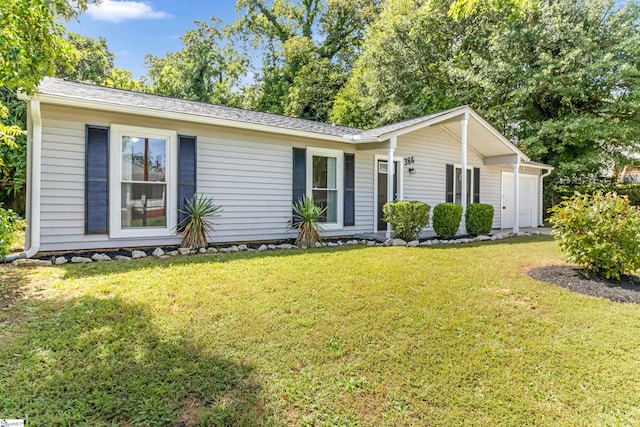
x: 382, y: 189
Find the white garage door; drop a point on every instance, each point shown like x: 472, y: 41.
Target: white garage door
x: 528, y: 196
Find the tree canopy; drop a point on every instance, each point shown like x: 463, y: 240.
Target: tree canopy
x: 561, y: 79
x: 208, y: 68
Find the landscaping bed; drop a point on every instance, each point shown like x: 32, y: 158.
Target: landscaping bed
x: 625, y: 290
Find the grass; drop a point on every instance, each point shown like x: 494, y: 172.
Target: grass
x: 342, y: 336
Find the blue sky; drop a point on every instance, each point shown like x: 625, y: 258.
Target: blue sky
x: 135, y: 28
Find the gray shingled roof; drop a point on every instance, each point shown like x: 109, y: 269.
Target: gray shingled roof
x: 92, y: 92
x: 386, y: 129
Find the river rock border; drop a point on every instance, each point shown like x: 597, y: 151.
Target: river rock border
x: 165, y: 253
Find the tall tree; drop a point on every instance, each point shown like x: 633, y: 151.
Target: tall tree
x: 33, y: 45
x: 561, y: 79
x: 93, y: 60
x: 307, y: 49
x: 208, y: 68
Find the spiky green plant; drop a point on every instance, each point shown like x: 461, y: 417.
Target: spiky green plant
x: 306, y: 218
x: 195, y: 228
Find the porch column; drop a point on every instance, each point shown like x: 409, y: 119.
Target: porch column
x: 463, y: 191
x: 393, y: 143
x: 516, y: 193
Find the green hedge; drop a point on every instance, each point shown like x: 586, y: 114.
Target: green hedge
x: 446, y: 219
x: 479, y: 218
x: 599, y: 232
x: 407, y: 218
x: 10, y: 223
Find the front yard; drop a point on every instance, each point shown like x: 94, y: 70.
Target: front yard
x: 340, y: 336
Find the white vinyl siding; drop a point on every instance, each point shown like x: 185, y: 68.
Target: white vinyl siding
x: 432, y: 149
x: 248, y: 173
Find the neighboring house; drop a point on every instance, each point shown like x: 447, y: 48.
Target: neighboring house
x: 108, y: 168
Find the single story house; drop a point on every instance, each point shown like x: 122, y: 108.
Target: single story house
x: 108, y: 168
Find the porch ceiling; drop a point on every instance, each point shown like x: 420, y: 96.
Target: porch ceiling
x: 481, y: 139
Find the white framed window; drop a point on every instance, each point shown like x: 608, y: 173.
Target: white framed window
x: 325, y: 183
x: 142, y: 182
x: 457, y: 184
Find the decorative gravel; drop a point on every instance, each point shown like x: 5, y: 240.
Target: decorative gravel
x: 573, y: 278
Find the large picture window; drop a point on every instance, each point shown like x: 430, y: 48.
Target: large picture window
x: 144, y: 186
x: 325, y: 183
x: 145, y: 162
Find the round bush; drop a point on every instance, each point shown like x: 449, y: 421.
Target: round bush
x: 479, y: 218
x: 599, y: 232
x: 407, y: 218
x: 446, y: 219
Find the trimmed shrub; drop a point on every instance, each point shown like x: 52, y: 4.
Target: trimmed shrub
x: 407, y: 218
x: 599, y: 232
x: 446, y: 219
x: 10, y: 223
x: 478, y: 218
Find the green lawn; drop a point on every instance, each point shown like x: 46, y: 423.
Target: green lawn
x: 341, y: 336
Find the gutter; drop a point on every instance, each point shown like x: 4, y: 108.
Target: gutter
x: 34, y: 172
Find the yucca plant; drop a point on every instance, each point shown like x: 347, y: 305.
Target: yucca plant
x: 306, y: 218
x: 195, y: 228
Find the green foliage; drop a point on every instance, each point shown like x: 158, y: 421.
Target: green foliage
x: 10, y: 224
x: 197, y: 225
x: 479, y: 218
x: 93, y: 60
x: 306, y: 218
x: 308, y: 48
x: 407, y: 218
x: 446, y: 219
x: 208, y: 68
x: 123, y: 79
x: 32, y: 42
x: 33, y: 46
x: 632, y: 191
x: 599, y: 232
x: 560, y: 78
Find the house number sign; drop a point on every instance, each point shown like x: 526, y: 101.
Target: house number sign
x: 408, y: 161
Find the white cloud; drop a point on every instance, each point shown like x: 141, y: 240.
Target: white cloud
x: 118, y: 11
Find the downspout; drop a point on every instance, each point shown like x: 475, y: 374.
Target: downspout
x: 34, y: 164
x: 542, y: 177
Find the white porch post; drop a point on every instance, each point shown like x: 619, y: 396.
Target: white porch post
x: 393, y: 143
x: 516, y: 193
x: 463, y: 191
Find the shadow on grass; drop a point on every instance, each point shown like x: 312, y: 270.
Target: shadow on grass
x: 98, y: 362
x: 72, y: 271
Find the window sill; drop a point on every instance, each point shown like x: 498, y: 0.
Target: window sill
x: 143, y: 232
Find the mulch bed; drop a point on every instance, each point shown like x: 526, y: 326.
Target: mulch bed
x: 573, y: 278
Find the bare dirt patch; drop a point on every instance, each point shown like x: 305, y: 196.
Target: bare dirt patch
x: 573, y: 278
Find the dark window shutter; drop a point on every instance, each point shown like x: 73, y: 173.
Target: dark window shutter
x: 449, y: 180
x: 96, y: 180
x: 299, y: 173
x: 349, y: 188
x: 186, y: 171
x: 476, y: 185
